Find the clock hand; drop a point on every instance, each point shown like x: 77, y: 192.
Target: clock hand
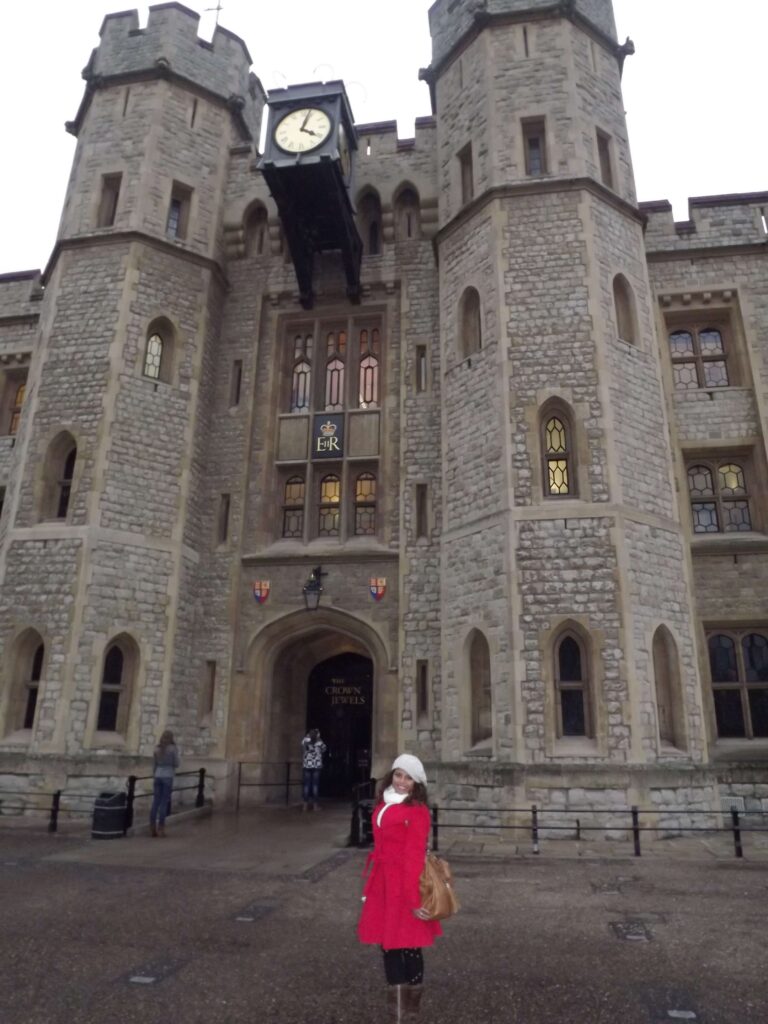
x: 308, y: 131
x: 304, y: 122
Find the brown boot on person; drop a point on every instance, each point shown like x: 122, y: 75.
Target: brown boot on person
x: 161, y: 831
x: 412, y: 1001
x: 153, y: 831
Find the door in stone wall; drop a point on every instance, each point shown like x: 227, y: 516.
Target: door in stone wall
x: 339, y: 704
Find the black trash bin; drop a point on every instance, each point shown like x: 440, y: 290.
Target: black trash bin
x: 109, y: 814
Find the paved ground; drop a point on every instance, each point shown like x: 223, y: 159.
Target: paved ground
x: 229, y: 921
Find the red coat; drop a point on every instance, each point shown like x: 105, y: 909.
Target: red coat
x: 392, y: 888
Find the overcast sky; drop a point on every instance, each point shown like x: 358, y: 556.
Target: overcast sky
x: 694, y: 92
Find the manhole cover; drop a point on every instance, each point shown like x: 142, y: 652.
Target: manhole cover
x: 632, y: 931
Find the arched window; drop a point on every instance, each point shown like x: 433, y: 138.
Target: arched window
x: 18, y: 402
x: 365, y: 505
x: 293, y: 508
x: 666, y: 673
x: 624, y: 304
x: 470, y: 325
x: 720, y: 499
x: 738, y: 663
x: 159, y: 350
x: 335, y: 352
x: 329, y: 519
x: 557, y: 448
x: 369, y: 352
x: 301, y: 379
x: 407, y: 215
x: 256, y: 231
x: 369, y: 218
x: 481, y: 718
x: 59, y: 471
x: 117, y: 680
x: 27, y: 662
x: 572, y: 690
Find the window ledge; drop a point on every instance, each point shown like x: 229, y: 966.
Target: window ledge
x: 728, y: 543
x: 483, y: 749
x: 17, y: 738
x: 107, y: 741
x: 741, y: 750
x: 576, y: 746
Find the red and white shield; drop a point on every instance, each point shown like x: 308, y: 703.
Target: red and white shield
x: 261, y: 589
x: 378, y: 587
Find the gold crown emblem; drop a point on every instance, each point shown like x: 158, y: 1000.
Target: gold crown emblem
x: 328, y: 429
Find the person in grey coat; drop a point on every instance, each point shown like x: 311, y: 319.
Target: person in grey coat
x: 166, y: 760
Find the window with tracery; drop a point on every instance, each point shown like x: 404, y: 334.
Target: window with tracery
x: 335, y: 350
x: 329, y: 518
x: 365, y: 505
x: 738, y: 662
x: 18, y: 402
x: 699, y: 357
x: 293, y: 508
x: 720, y: 500
x: 572, y: 687
x: 33, y: 687
x: 301, y: 382
x: 558, y: 482
x: 111, y: 689
x: 370, y: 346
x: 65, y: 484
x: 153, y: 356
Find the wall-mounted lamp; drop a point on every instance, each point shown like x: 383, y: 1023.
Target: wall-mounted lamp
x: 313, y: 588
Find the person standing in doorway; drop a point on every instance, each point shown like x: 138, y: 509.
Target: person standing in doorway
x: 166, y: 761
x: 393, y: 917
x: 312, y: 751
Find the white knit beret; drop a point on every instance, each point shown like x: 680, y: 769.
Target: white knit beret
x: 413, y: 766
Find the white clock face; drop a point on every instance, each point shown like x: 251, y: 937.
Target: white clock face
x: 303, y: 130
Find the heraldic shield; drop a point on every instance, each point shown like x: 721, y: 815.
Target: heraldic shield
x: 261, y: 589
x: 378, y: 587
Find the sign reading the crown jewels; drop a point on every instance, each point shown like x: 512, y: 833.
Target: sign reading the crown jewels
x: 328, y: 437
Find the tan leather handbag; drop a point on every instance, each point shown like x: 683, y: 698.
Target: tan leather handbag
x: 436, y: 884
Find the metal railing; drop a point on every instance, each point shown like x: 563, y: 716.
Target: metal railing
x: 626, y: 820
x: 282, y: 768
x: 63, y: 802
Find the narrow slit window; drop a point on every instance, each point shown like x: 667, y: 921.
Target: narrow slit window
x: 534, y: 139
x: 466, y: 174
x: 223, y: 523
x: 605, y: 158
x: 236, y: 383
x: 193, y: 115
x: 178, y: 212
x: 65, y: 484
x: 422, y: 689
x: 422, y: 510
x: 33, y: 687
x: 209, y: 689
x: 421, y: 368
x: 110, y: 194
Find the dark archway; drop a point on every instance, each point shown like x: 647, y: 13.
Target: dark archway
x: 340, y: 704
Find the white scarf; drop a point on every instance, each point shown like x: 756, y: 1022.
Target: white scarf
x: 390, y: 796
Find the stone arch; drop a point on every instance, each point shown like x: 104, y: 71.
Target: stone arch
x: 161, y: 348
x: 470, y: 323
x: 624, y: 308
x: 25, y: 666
x: 58, y: 482
x: 668, y: 690
x: 256, y: 229
x: 407, y: 209
x: 268, y: 699
x: 477, y: 659
x: 573, y: 660
x: 119, y: 671
x: 369, y: 218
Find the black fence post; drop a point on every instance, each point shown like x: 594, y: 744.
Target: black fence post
x: 636, y: 829
x: 578, y: 830
x: 535, y: 827
x: 435, y: 829
x: 53, y: 823
x: 736, y: 832
x: 287, y: 782
x: 239, y: 784
x: 354, y: 826
x: 131, y: 796
x: 200, y: 800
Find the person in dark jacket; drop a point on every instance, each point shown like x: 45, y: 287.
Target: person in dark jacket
x: 392, y: 915
x: 312, y: 751
x: 166, y: 761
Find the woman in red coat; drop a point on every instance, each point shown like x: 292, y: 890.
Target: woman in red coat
x: 392, y: 916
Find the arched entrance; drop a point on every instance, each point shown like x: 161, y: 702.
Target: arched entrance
x: 339, y: 704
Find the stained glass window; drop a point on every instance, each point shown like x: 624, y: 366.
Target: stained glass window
x: 365, y: 505
x: 719, y: 498
x: 329, y: 523
x: 293, y: 508
x: 572, y: 688
x: 557, y: 457
x: 153, y: 357
x: 699, y: 358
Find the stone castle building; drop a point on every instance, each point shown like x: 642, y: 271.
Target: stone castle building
x: 521, y: 434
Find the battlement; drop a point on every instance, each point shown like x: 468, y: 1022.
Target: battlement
x: 713, y: 221
x: 449, y: 20
x: 171, y: 41
x: 20, y: 294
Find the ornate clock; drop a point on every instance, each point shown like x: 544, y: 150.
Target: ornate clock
x: 308, y: 165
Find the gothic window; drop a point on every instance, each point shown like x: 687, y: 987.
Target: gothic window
x: 624, y: 306
x: 470, y: 324
x: 666, y: 672
x: 572, y: 687
x: 153, y: 356
x: 480, y: 689
x: 177, y: 224
x: 293, y: 508
x: 18, y: 402
x: 720, y: 500
x: 738, y: 662
x: 329, y: 518
x: 256, y: 232
x: 365, y: 505
x: 110, y: 194
x: 407, y: 215
x: 33, y: 686
x: 466, y: 175
x: 370, y: 347
x: 58, y: 476
x: 559, y: 463
x: 118, y: 676
x: 27, y: 661
x: 65, y: 484
x: 605, y: 158
x: 369, y: 219
x: 535, y: 148
x: 335, y: 350
x: 301, y: 382
x: 699, y: 357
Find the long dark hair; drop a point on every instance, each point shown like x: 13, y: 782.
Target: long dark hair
x: 418, y: 794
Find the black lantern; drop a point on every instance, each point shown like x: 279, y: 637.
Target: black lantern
x: 313, y: 588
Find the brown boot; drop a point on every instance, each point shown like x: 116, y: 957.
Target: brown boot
x: 161, y: 831
x: 153, y: 831
x: 395, y: 1002
x: 412, y: 1001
